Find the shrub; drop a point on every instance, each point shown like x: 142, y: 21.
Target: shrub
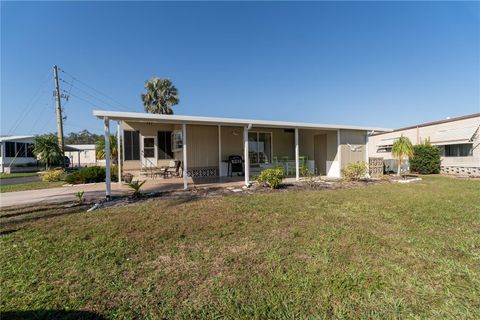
x: 135, y: 186
x: 355, y: 171
x: 271, y: 177
x: 304, y: 171
x: 80, y: 197
x: 426, y: 159
x: 91, y: 175
x: 53, y: 175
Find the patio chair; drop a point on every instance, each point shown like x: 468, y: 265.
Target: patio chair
x: 173, y: 169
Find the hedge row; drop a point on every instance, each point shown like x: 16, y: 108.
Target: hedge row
x: 91, y: 175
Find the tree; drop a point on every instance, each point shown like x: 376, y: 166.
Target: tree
x: 160, y: 96
x: 100, y: 148
x: 82, y: 137
x: 402, y: 149
x: 47, y: 150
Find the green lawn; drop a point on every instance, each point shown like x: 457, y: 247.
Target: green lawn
x: 381, y: 252
x: 17, y: 175
x: 31, y: 186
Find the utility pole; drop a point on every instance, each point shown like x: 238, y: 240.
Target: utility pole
x: 59, y: 115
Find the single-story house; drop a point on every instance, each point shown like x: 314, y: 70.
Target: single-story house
x: 81, y: 155
x: 458, y: 139
x: 204, y: 144
x: 16, y: 152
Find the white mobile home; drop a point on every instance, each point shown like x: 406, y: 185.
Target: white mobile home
x: 458, y: 139
x: 16, y: 152
x: 204, y: 145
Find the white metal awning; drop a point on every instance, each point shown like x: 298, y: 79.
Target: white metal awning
x: 454, y: 135
x: 162, y: 118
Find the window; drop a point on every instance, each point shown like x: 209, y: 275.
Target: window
x: 21, y: 150
x: 458, y: 150
x: 259, y: 147
x: 132, y: 145
x: 177, y: 140
x: 165, y: 145
x: 10, y: 149
x: 30, y: 147
x: 384, y: 149
x: 148, y: 147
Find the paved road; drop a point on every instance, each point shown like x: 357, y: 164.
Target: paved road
x: 19, y: 180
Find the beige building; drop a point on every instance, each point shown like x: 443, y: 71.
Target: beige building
x: 204, y: 144
x: 458, y: 139
x: 81, y: 155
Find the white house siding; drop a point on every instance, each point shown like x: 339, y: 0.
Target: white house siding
x: 449, y: 132
x: 86, y: 154
x: 10, y: 164
x: 352, y: 146
x: 319, y: 146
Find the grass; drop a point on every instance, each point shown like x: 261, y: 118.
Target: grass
x: 386, y: 251
x: 17, y: 175
x: 30, y: 186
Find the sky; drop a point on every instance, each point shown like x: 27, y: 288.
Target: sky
x: 383, y: 64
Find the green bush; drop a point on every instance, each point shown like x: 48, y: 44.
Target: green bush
x: 91, y: 175
x: 304, y: 171
x: 355, y: 171
x: 53, y: 175
x: 426, y: 159
x: 271, y: 177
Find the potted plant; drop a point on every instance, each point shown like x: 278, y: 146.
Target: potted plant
x: 127, y: 177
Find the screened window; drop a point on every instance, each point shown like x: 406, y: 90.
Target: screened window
x: 21, y: 150
x: 149, y: 147
x: 177, y: 140
x: 165, y: 145
x: 132, y: 145
x: 30, y: 147
x: 10, y: 149
x: 458, y: 150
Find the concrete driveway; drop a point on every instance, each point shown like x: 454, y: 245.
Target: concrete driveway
x: 96, y: 191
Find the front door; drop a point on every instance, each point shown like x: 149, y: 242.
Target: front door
x: 149, y: 152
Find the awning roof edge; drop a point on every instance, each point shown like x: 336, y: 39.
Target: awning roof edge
x: 148, y: 117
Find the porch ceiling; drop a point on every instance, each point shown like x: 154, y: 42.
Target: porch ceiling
x: 177, y: 119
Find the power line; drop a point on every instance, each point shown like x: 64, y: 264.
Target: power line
x: 90, y: 95
x: 29, y: 105
x: 87, y: 101
x: 123, y: 107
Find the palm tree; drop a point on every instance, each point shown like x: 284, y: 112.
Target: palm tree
x: 47, y: 150
x: 100, y: 148
x: 161, y: 95
x: 402, y: 149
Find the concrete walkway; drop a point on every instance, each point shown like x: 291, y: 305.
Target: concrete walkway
x: 96, y: 191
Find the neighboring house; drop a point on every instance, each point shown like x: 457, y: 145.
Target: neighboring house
x: 81, y: 155
x: 458, y: 140
x: 16, y: 153
x: 204, y: 144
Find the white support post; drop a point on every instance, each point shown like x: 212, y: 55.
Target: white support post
x: 2, y: 145
x: 220, y: 173
x: 339, y: 154
x: 119, y: 154
x: 366, y: 155
x: 297, y: 157
x: 108, y: 192
x: 184, y: 146
x: 78, y: 154
x: 246, y: 156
